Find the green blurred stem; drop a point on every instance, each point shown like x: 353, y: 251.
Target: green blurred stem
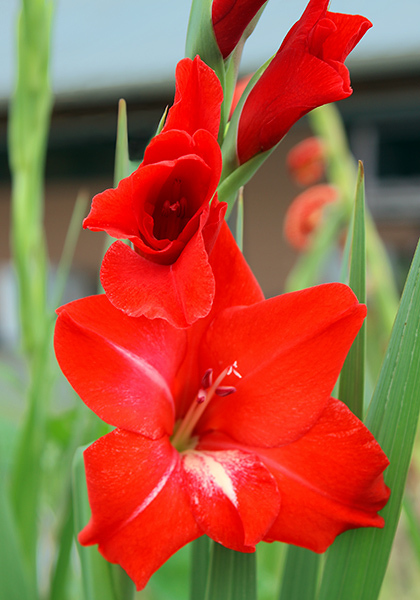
x: 28, y: 132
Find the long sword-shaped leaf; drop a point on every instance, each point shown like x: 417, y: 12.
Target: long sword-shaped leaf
x: 300, y: 575
x: 200, y: 554
x: 232, y: 575
x: 352, y: 378
x: 357, y: 562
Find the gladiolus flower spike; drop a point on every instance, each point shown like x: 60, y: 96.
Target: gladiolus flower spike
x: 168, y: 210
x: 225, y: 428
x: 307, y: 71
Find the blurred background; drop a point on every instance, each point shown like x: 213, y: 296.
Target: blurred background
x: 103, y: 50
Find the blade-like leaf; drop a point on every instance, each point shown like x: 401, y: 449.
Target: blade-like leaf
x: 352, y: 378
x: 200, y: 554
x: 232, y: 575
x: 357, y: 562
x: 300, y: 574
x: 122, y: 162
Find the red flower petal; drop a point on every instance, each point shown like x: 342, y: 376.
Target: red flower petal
x: 330, y: 480
x: 113, y: 211
x: 122, y: 368
x: 140, y: 511
x: 235, y: 285
x: 289, y: 351
x: 234, y: 497
x: 198, y: 98
x: 230, y: 19
x: 180, y: 293
x: 306, y: 72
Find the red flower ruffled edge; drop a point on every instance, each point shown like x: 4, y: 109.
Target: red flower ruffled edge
x: 168, y: 210
x: 251, y: 472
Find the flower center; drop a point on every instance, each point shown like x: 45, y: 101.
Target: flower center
x: 170, y: 216
x: 182, y: 438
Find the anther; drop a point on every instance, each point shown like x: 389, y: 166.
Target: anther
x: 201, y: 396
x: 207, y: 380
x: 224, y: 390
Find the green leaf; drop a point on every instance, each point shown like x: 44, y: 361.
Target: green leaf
x: 200, y: 557
x: 232, y: 575
x: 122, y: 161
x: 352, y: 378
x: 300, y: 575
x: 357, y: 562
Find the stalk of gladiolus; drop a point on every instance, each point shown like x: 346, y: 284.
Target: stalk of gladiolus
x: 305, y: 214
x: 306, y: 161
x: 307, y: 71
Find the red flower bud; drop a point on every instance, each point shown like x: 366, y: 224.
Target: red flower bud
x: 307, y: 71
x: 305, y: 213
x: 306, y: 161
x: 230, y: 19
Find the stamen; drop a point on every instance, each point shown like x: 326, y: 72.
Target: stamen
x: 224, y: 390
x: 201, y: 396
x: 207, y: 379
x: 206, y: 392
x: 233, y: 369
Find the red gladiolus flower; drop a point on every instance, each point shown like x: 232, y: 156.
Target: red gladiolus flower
x: 221, y: 428
x: 306, y: 72
x: 230, y: 19
x: 306, y: 161
x: 305, y: 213
x: 165, y: 209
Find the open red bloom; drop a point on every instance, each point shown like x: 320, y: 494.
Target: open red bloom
x: 226, y: 428
x: 307, y: 71
x: 165, y: 209
x: 230, y: 19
